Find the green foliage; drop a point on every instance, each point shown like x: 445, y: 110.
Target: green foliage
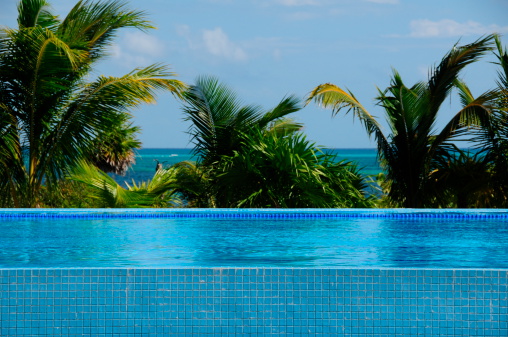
x: 68, y: 194
x: 251, y: 158
x: 463, y: 179
x: 286, y: 171
x: 158, y: 192
x: 114, y: 148
x: 411, y: 149
x: 50, y: 117
x: 195, y: 185
x: 219, y: 119
x: 491, y: 139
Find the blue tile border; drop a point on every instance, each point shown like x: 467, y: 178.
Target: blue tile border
x: 253, y: 301
x: 257, y: 213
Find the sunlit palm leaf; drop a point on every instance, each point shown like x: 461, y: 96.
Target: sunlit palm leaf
x: 106, y: 190
x: 35, y: 13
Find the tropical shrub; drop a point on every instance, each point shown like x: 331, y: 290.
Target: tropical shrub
x: 287, y: 171
x: 106, y: 192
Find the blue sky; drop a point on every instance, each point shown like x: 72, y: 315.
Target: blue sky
x: 267, y: 49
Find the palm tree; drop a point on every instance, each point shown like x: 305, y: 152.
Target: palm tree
x: 50, y: 117
x: 114, y: 148
x: 410, y: 150
x: 219, y: 122
x: 219, y: 119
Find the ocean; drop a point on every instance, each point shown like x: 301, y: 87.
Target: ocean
x: 146, y: 161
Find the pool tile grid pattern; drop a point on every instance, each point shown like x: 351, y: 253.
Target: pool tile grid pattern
x: 304, y: 213
x: 253, y: 301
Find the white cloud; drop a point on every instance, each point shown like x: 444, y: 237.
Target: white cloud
x: 214, y: 42
x: 141, y: 43
x: 218, y: 43
x: 137, y: 49
x: 450, y: 28
x: 387, y: 2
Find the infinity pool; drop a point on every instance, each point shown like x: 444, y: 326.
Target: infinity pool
x: 351, y: 240
x: 235, y: 272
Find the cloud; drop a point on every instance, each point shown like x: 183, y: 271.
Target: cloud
x: 214, y: 42
x: 137, y: 48
x: 143, y: 44
x: 386, y: 2
x: 451, y: 28
x: 218, y: 43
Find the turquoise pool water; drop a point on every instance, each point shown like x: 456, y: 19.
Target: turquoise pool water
x: 253, y: 238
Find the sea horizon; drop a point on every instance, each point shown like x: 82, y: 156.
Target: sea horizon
x: 147, y: 159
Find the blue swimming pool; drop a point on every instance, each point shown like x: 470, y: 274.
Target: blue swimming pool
x: 253, y: 273
x: 255, y: 239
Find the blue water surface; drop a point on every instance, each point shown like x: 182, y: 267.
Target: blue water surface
x: 209, y: 242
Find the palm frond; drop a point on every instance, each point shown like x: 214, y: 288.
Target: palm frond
x: 502, y: 56
x: 331, y: 96
x: 32, y: 13
x: 106, y: 190
x: 287, y: 105
x: 283, y: 126
x: 219, y: 118
x: 100, y: 105
x: 443, y: 76
x: 93, y: 25
x: 476, y: 113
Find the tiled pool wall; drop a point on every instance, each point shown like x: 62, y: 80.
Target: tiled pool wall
x: 253, y: 301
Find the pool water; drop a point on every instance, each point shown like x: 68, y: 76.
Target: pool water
x: 356, y: 242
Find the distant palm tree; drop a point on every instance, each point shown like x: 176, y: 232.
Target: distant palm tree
x: 50, y: 116
x: 409, y: 151
x: 114, y: 149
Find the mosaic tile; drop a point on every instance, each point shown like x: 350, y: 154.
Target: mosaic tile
x: 253, y: 301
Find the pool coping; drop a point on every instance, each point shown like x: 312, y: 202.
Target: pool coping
x: 250, y: 213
